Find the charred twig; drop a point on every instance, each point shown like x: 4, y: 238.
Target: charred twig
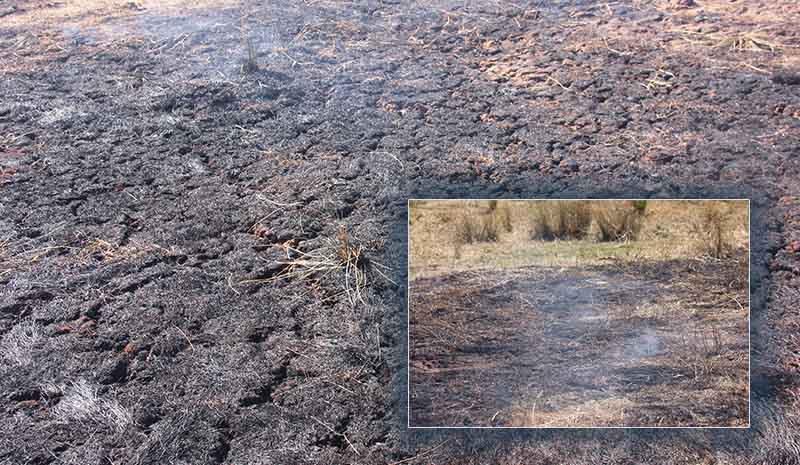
x: 424, y: 454
x: 332, y: 430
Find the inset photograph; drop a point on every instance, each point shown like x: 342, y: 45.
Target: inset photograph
x: 579, y: 313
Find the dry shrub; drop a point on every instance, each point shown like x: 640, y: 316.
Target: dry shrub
x: 501, y: 213
x: 619, y: 221
x: 541, y: 229
x: 251, y: 63
x: 470, y: 230
x: 574, y: 219
x: 503, y: 218
x: 699, y: 348
x: 713, y: 237
x: 562, y: 220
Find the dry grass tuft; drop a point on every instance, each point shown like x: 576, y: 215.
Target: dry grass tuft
x: 251, y: 63
x: 561, y: 220
x: 749, y: 41
x: 341, y: 255
x: 106, y: 252
x: 592, y: 413
x: 480, y: 223
x: 620, y: 222
x: 714, y: 226
x: 746, y: 42
x: 661, y: 78
x: 82, y: 404
x: 470, y: 230
x: 17, y: 344
x: 714, y: 230
x: 573, y: 220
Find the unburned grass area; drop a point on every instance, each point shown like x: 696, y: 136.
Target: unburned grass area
x: 668, y: 230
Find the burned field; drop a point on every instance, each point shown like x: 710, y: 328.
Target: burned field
x: 531, y: 313
x: 608, y: 346
x: 174, y: 177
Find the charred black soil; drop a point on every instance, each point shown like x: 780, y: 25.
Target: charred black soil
x: 151, y: 180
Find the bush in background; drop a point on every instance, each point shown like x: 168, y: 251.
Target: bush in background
x: 619, y: 221
x: 503, y: 218
x: 562, y: 220
x: 713, y: 231
x: 470, y: 229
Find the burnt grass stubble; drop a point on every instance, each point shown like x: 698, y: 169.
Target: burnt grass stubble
x: 594, y: 346
x: 152, y: 349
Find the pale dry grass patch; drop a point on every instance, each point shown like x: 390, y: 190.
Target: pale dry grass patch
x: 16, y: 345
x: 735, y: 41
x: 343, y: 255
x: 21, y: 256
x: 591, y: 413
x: 82, y: 404
x: 777, y: 12
x: 666, y: 230
x: 107, y: 252
x: 95, y: 13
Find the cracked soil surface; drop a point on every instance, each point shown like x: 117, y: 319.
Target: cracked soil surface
x: 150, y: 187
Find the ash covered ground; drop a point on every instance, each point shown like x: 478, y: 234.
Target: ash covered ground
x: 160, y: 161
